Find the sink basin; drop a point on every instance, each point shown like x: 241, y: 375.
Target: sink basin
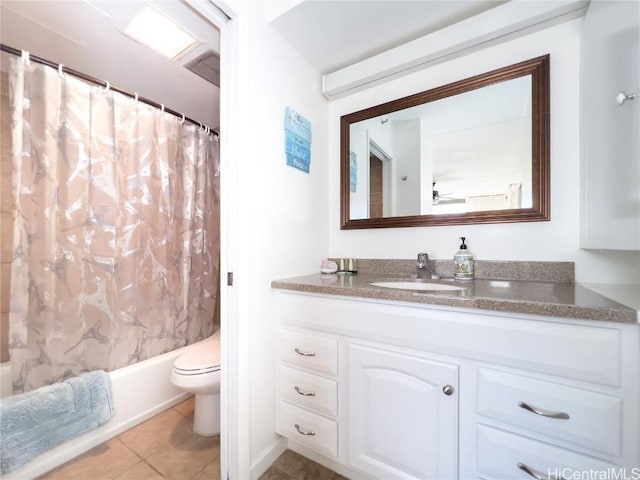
x: 427, y: 287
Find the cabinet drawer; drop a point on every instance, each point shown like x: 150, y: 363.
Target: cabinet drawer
x: 580, y: 352
x: 500, y: 453
x: 594, y: 419
x: 312, y: 430
x: 309, y: 391
x: 308, y: 350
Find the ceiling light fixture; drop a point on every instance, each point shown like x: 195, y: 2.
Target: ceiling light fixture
x: 158, y: 32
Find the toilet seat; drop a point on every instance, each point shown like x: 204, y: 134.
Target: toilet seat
x: 201, y: 359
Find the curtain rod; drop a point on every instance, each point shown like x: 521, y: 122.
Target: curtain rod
x: 102, y: 83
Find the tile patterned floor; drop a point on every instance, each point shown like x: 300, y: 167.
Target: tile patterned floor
x: 162, y: 448
x: 165, y: 448
x: 292, y: 466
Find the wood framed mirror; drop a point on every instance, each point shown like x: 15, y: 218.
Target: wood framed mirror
x: 473, y: 151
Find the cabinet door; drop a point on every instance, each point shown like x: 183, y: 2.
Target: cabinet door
x: 610, y: 150
x: 401, y: 423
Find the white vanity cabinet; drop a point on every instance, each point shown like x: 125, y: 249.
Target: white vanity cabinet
x: 426, y: 392
x: 402, y: 414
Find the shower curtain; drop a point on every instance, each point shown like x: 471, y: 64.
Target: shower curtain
x: 116, y: 230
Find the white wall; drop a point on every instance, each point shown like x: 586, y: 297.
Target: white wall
x: 541, y: 241
x: 280, y: 225
x: 406, y: 155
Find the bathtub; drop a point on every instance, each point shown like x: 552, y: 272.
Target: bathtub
x: 140, y: 391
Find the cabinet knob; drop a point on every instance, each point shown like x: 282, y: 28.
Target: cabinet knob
x: 448, y: 390
x: 623, y: 97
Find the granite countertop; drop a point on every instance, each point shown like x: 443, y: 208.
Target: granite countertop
x: 549, y: 298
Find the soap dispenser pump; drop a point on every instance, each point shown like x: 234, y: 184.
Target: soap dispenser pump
x: 463, y: 263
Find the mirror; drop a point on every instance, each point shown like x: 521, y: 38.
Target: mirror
x: 473, y: 151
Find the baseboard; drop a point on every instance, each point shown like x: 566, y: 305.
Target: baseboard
x: 267, y: 457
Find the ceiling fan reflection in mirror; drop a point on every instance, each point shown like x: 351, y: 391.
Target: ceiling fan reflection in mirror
x: 445, y: 198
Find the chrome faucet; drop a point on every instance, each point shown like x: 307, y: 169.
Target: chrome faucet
x: 423, y: 270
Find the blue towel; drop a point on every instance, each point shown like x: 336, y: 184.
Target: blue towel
x: 37, y: 421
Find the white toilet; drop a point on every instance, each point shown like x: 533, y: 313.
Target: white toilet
x: 198, y: 371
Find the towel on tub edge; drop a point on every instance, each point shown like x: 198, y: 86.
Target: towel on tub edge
x: 34, y: 422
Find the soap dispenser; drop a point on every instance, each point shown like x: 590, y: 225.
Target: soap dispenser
x: 463, y: 263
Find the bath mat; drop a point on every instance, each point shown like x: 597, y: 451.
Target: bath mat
x: 37, y: 421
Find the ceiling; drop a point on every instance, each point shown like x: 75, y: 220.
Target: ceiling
x: 333, y: 34
x: 85, y: 36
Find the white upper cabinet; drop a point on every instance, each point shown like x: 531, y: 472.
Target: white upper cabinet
x: 610, y: 131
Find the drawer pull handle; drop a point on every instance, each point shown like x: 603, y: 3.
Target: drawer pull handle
x: 537, y: 475
x: 304, y: 432
x: 543, y: 413
x: 304, y: 354
x: 309, y: 393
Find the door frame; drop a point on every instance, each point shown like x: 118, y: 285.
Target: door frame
x: 388, y: 183
x: 228, y: 17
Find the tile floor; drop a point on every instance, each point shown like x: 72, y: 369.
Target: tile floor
x: 292, y: 466
x: 162, y: 448
x: 165, y: 448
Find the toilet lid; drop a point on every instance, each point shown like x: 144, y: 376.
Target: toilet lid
x: 204, y: 355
